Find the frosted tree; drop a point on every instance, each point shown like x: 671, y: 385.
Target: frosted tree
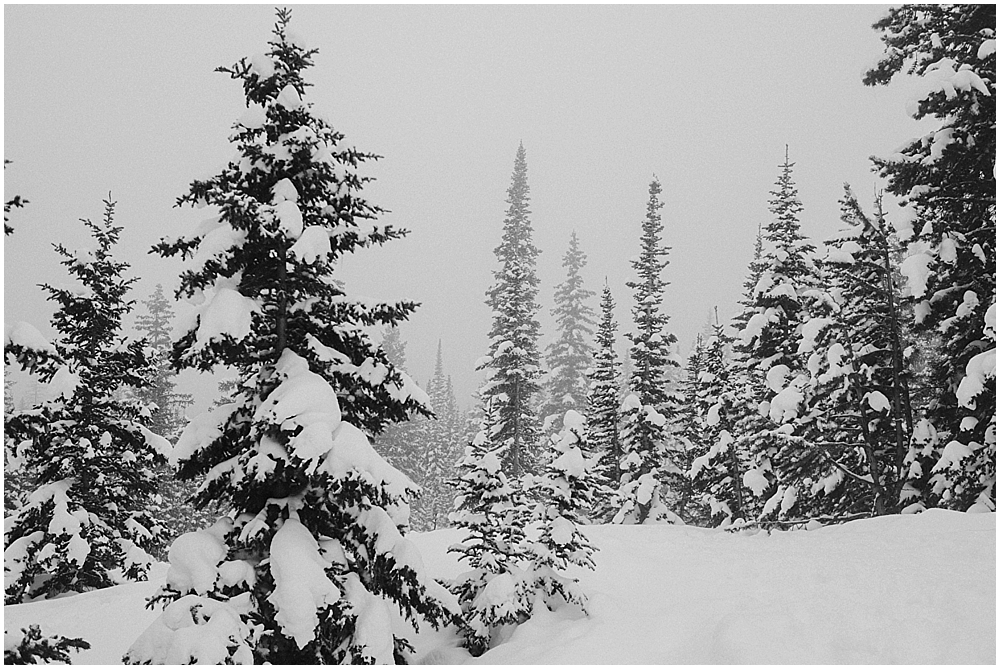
x: 571, y: 354
x: 567, y: 489
x: 603, y: 399
x: 649, y: 406
x: 690, y: 432
x: 309, y: 563
x: 167, y: 412
x: 440, y: 448
x: 400, y: 443
x: 850, y: 448
x: 947, y: 180
x: 512, y: 363
x: 497, y: 592
x: 778, y: 306
x: 85, y: 523
x: 717, y: 471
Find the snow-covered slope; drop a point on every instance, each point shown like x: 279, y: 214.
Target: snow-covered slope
x: 903, y: 589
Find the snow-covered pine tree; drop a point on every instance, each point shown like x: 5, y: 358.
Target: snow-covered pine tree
x: 717, y: 471
x: 440, y: 449
x: 567, y: 492
x: 571, y: 354
x: 309, y: 562
x: 401, y: 443
x: 742, y: 392
x: 649, y: 407
x: 603, y: 399
x: 86, y: 524
x: 496, y: 593
x: 172, y: 504
x: 694, y: 440
x: 850, y: 452
x: 167, y: 418
x: 512, y: 363
x: 947, y: 178
x: 778, y: 306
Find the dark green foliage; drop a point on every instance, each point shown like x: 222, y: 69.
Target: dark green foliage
x: 33, y: 648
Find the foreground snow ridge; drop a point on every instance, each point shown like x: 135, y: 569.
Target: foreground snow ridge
x: 914, y: 589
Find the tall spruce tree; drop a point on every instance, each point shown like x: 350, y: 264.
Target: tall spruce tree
x: 850, y: 449
x: 717, y: 471
x: 947, y: 178
x: 167, y: 414
x: 603, y: 399
x: 87, y: 516
x: 571, y: 354
x: 693, y: 438
x: 512, y: 363
x: 441, y: 450
x: 778, y: 307
x: 166, y: 418
x: 649, y: 407
x: 309, y: 561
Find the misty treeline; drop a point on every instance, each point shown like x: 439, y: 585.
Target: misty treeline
x: 857, y: 378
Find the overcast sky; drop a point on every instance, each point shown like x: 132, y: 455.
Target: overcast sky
x: 124, y: 99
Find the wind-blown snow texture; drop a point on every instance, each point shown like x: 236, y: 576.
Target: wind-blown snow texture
x: 911, y: 589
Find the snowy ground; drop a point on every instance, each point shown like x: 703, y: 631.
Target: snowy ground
x: 904, y: 589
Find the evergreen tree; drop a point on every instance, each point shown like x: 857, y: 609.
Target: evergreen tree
x: 399, y: 443
x: 690, y: 432
x: 948, y: 180
x: 567, y: 487
x: 778, y: 307
x: 603, y: 398
x: 440, y: 449
x: 649, y: 407
x: 717, y: 471
x: 309, y: 561
x: 86, y: 517
x: 512, y: 364
x: 740, y: 397
x: 167, y: 412
x: 497, y: 591
x: 850, y: 448
x: 571, y: 354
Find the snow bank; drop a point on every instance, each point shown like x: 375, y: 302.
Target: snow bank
x: 914, y: 589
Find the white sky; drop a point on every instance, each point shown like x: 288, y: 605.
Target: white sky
x: 123, y: 98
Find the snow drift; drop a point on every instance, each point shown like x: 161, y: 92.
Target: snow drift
x: 918, y: 589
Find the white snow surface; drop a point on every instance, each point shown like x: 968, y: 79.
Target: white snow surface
x: 228, y: 313
x: 27, y: 335
x: 824, y: 596
x: 301, y: 587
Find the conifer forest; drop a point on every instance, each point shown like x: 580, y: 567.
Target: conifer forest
x: 500, y: 334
